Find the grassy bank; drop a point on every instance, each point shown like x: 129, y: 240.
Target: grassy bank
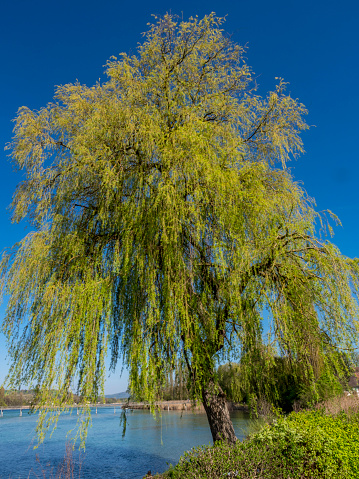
x: 322, y: 444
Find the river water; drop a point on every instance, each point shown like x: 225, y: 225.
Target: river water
x: 148, y: 444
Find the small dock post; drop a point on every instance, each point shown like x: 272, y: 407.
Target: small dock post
x: 1, y: 414
x: 20, y: 412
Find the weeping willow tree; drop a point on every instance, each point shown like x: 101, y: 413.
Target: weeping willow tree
x: 167, y: 229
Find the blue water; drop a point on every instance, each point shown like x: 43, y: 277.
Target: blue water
x: 149, y: 444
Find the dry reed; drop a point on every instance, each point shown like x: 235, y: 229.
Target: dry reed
x: 67, y: 469
x: 348, y: 403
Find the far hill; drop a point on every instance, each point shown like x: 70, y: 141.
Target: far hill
x: 123, y: 395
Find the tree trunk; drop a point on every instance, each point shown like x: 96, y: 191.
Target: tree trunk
x: 215, y: 405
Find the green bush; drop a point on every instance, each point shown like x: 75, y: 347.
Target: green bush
x: 301, y: 445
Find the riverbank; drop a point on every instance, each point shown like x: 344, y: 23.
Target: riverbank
x: 181, y: 405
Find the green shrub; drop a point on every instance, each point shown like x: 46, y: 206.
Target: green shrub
x: 301, y: 445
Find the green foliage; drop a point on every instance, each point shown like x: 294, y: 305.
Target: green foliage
x: 286, y: 385
x: 165, y: 225
x: 229, y: 378
x: 302, y: 445
x: 326, y: 387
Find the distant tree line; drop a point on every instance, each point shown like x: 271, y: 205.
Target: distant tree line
x: 2, y: 396
x: 22, y: 397
x: 25, y: 397
x: 176, y: 385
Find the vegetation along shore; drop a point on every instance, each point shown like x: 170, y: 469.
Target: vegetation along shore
x: 321, y: 443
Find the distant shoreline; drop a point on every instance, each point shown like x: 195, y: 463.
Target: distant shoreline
x: 174, y: 405
x: 181, y: 405
x: 10, y: 408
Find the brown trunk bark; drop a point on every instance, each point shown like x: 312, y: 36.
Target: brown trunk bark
x: 215, y: 405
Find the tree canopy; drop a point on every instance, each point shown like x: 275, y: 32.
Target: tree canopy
x: 167, y: 228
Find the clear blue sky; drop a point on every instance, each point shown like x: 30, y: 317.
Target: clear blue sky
x: 312, y: 44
